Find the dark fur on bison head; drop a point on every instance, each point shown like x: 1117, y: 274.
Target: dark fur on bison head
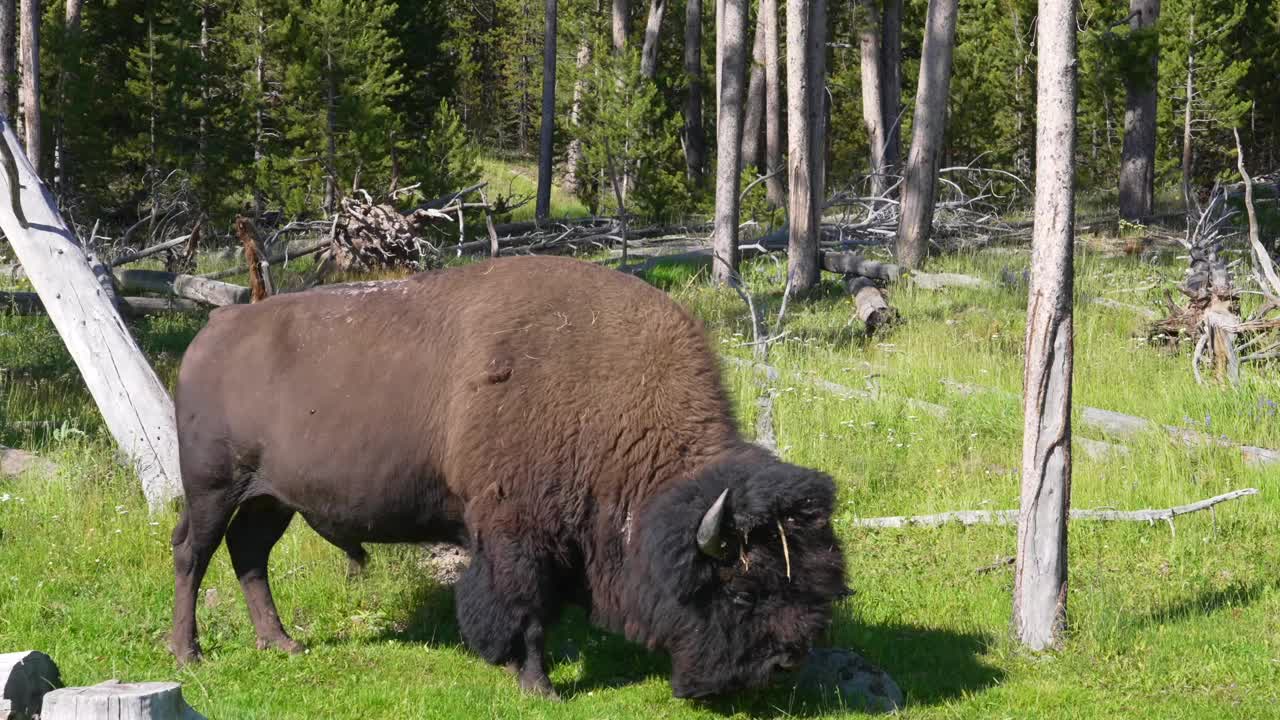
x: 738, y: 589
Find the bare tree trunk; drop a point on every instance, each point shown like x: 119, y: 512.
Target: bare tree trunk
x: 31, y: 84
x: 873, y: 113
x: 331, y: 133
x: 775, y: 185
x: 66, y: 75
x: 543, y: 208
x: 695, y: 149
x: 1040, y: 572
x: 753, y: 122
x: 259, y: 133
x: 806, y: 95
x: 652, y: 36
x: 1187, y: 151
x: 621, y: 11
x: 731, y: 49
x: 8, y: 58
x: 932, y: 92
x: 1138, y: 155
x: 133, y: 402
x: 202, y: 139
x: 891, y: 83
x: 573, y: 154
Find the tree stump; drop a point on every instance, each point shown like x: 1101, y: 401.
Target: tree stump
x: 114, y: 700
x: 873, y: 311
x: 25, y: 677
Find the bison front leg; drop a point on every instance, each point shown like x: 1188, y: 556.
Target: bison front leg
x: 503, y: 602
x: 255, y: 530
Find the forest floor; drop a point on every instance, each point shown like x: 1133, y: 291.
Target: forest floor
x: 1162, y: 625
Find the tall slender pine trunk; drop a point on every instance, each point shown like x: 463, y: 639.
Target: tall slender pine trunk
x: 695, y: 148
x: 1138, y: 153
x: 33, y: 127
x: 543, y: 207
x: 776, y: 184
x: 731, y: 50
x: 873, y: 113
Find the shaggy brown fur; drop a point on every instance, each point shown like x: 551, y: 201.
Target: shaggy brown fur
x: 565, y: 421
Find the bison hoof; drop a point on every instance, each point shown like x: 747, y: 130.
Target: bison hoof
x: 186, y: 653
x: 287, y: 644
x: 538, y: 685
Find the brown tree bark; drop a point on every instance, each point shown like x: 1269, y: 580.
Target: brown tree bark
x: 652, y: 38
x: 806, y: 99
x: 543, y: 207
x: 331, y: 135
x: 1138, y: 154
x: 1040, y: 571
x: 30, y: 61
x: 775, y: 186
x: 873, y: 112
x: 695, y: 149
x: 573, y: 154
x: 916, y: 220
x: 9, y: 58
x: 753, y: 121
x: 891, y: 83
x: 620, y: 24
x: 1187, y: 151
x: 731, y: 49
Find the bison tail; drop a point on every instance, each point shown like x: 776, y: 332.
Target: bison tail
x: 184, y: 523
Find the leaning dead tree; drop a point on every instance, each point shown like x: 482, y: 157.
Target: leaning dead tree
x: 134, y: 404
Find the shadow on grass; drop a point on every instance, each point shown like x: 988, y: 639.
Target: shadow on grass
x: 1208, y: 602
x: 931, y: 665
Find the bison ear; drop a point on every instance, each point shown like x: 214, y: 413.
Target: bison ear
x: 710, y: 527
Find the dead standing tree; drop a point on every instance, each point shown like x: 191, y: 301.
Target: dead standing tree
x: 1040, y: 572
x: 134, y: 404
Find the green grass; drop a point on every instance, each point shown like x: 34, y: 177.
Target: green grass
x: 519, y: 179
x: 1163, y: 625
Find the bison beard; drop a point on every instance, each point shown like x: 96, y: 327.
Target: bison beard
x: 565, y: 422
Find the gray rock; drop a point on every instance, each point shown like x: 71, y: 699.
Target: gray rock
x: 444, y: 561
x: 857, y: 682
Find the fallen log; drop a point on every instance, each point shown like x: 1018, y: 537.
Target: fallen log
x: 191, y: 287
x: 847, y: 263
x: 940, y: 281
x: 873, y: 311
x: 273, y: 260
x: 25, y: 678
x: 29, y: 303
x: 119, y: 701
x: 835, y: 388
x: 1010, y: 517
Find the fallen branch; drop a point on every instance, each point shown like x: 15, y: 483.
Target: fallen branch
x: 836, y: 388
x: 1010, y: 517
x: 131, y: 257
x: 28, y: 303
x: 273, y: 260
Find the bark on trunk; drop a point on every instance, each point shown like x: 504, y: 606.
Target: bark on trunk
x: 652, y: 36
x: 70, y: 63
x: 732, y: 52
x: 695, y: 151
x: 916, y: 220
x: 1040, y: 572
x: 331, y: 135
x: 133, y: 401
x: 259, y: 121
x: 753, y: 121
x: 1187, y: 156
x: 31, y: 84
x: 9, y: 58
x: 776, y: 185
x: 805, y: 100
x: 573, y: 155
x: 1138, y: 154
x: 891, y: 83
x: 543, y: 207
x: 873, y: 114
x: 621, y: 11
x: 189, y: 287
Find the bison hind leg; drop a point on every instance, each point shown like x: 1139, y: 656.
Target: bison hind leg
x: 196, y: 537
x: 256, y: 529
x: 502, y: 607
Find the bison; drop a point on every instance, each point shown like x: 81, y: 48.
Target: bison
x: 563, y: 421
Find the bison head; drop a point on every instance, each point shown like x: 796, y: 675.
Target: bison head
x: 735, y: 572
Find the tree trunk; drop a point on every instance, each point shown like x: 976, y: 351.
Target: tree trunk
x: 621, y: 11
x: 31, y: 84
x: 543, y: 208
x: 8, y: 58
x: 331, y: 135
x: 731, y: 49
x: 891, y: 83
x: 753, y: 121
x: 259, y: 121
x: 695, y: 150
x: 806, y: 98
x: 132, y: 400
x: 202, y: 131
x: 916, y: 220
x: 873, y: 114
x: 66, y: 76
x: 1138, y: 155
x: 1187, y: 153
x: 1040, y: 572
x: 120, y: 701
x: 573, y: 154
x: 652, y: 37
x: 776, y: 184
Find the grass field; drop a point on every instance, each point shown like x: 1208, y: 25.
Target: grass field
x: 1163, y: 625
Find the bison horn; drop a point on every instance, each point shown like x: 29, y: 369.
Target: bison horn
x: 709, y: 528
